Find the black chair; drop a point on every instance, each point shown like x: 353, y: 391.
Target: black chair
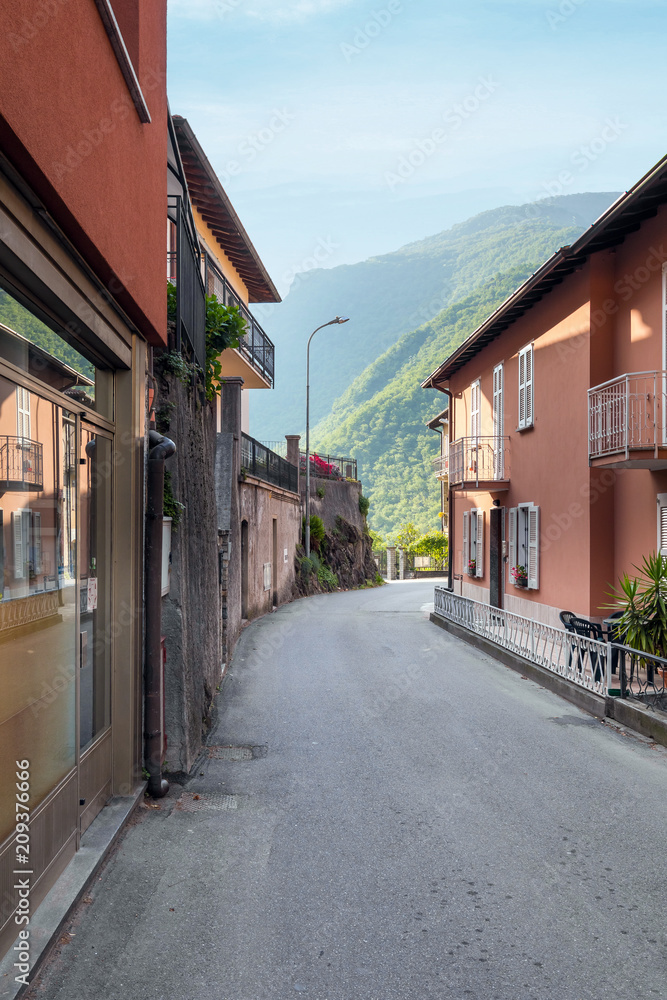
x: 587, y: 630
x: 616, y: 635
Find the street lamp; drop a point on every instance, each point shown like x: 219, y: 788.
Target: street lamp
x: 338, y: 319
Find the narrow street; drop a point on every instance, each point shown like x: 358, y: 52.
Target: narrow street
x: 405, y: 819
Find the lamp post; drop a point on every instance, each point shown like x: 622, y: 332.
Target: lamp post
x: 338, y: 319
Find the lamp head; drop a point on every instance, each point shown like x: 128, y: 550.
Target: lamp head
x: 342, y: 319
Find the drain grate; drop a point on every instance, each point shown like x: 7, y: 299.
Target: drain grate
x: 237, y: 753
x: 193, y: 802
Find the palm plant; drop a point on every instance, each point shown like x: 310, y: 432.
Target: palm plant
x: 643, y: 601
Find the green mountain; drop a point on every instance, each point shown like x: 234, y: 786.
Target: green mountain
x: 380, y: 418
x: 19, y: 319
x: 388, y: 296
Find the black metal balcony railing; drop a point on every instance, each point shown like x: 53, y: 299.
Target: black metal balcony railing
x: 184, y: 272
x: 329, y: 466
x: 259, y: 461
x: 21, y: 466
x: 255, y: 345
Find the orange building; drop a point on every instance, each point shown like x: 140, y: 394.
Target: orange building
x: 558, y: 432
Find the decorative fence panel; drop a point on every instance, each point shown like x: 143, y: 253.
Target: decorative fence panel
x: 259, y: 461
x: 585, y: 662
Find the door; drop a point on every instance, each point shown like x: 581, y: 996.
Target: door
x: 96, y: 629
x: 496, y: 520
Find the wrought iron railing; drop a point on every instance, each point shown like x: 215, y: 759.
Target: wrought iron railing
x: 256, y: 460
x: 585, y: 662
x: 255, y: 344
x: 479, y: 459
x: 627, y: 414
x: 280, y: 447
x: 329, y: 466
x: 641, y: 676
x: 183, y: 271
x: 21, y: 465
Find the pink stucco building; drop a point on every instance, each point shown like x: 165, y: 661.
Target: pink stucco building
x: 558, y: 429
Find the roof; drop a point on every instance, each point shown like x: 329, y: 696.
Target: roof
x: 625, y: 216
x: 436, y: 423
x: 209, y: 197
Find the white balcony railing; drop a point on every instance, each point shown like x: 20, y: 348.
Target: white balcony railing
x: 441, y: 466
x: 627, y: 414
x: 479, y: 459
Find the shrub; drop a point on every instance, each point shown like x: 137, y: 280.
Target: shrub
x: 316, y: 530
x: 320, y: 492
x: 364, y: 504
x: 326, y: 577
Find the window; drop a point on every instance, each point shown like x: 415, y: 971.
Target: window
x: 524, y: 546
x: 473, y: 542
x: 662, y: 524
x: 526, y: 387
x: 475, y: 394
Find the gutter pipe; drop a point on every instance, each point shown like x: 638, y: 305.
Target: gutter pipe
x: 450, y: 496
x: 161, y: 448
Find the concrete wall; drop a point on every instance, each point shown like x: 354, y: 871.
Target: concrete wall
x: 191, y: 610
x: 262, y: 505
x: 341, y: 499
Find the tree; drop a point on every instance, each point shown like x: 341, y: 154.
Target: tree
x: 407, y: 536
x: 434, y: 545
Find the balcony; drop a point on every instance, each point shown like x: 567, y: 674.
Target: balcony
x: 184, y: 272
x: 441, y: 466
x: 479, y: 463
x: 21, y: 466
x: 626, y: 422
x: 255, y: 347
x: 259, y: 461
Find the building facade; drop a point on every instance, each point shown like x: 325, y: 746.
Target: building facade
x: 557, y: 460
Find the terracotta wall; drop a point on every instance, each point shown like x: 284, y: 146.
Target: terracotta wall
x: 69, y: 126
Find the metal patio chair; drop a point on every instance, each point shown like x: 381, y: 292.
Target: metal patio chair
x: 587, y: 630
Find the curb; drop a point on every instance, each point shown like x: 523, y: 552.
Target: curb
x: 632, y: 715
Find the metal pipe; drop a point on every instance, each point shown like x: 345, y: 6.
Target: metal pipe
x: 161, y: 448
x: 450, y: 494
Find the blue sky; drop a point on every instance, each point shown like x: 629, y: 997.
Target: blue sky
x: 346, y: 128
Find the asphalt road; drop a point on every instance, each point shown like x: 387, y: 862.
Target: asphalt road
x: 415, y: 820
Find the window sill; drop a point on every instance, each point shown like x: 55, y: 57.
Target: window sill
x: 528, y: 427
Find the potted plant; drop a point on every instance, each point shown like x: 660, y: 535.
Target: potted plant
x: 643, y: 601
x: 472, y: 567
x: 520, y: 576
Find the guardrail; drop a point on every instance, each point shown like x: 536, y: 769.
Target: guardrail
x: 21, y: 465
x: 329, y: 466
x: 256, y: 460
x: 585, y: 662
x: 642, y: 677
x: 479, y: 459
x: 627, y: 414
x: 255, y: 345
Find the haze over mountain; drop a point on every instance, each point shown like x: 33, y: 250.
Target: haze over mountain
x: 409, y: 310
x: 390, y: 295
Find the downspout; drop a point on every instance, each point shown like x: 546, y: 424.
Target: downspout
x: 450, y: 496
x: 161, y: 448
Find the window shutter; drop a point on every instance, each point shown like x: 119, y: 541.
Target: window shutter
x: 533, y: 548
x: 512, y: 539
x: 474, y: 409
x: 498, y: 401
x: 22, y: 412
x: 662, y: 524
x: 522, y: 389
x: 528, y: 369
x: 479, y: 553
x: 17, y: 529
x: 466, y: 548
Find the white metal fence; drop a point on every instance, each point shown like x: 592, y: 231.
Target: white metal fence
x: 626, y: 414
x: 585, y: 662
x: 479, y: 459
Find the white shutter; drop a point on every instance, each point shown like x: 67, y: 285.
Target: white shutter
x: 533, y: 547
x: 17, y: 534
x: 522, y: 389
x: 36, y: 554
x: 512, y: 538
x: 662, y: 524
x: 529, y: 385
x: 498, y: 424
x: 479, y: 553
x: 466, y: 548
x: 22, y: 412
x: 475, y: 394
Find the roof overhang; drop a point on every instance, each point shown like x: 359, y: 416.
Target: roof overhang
x: 209, y: 197
x: 625, y: 216
x: 442, y: 418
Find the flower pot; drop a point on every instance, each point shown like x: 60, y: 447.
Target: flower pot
x: 521, y: 581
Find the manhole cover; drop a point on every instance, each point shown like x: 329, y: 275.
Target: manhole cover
x: 237, y: 753
x: 192, y: 802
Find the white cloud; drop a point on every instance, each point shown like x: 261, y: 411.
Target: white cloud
x: 284, y: 12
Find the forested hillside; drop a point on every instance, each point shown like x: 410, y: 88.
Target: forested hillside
x: 390, y: 295
x: 17, y: 318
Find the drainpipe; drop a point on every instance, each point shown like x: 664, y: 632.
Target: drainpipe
x: 450, y: 497
x: 161, y: 448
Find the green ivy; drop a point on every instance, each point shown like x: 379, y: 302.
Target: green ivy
x: 225, y: 326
